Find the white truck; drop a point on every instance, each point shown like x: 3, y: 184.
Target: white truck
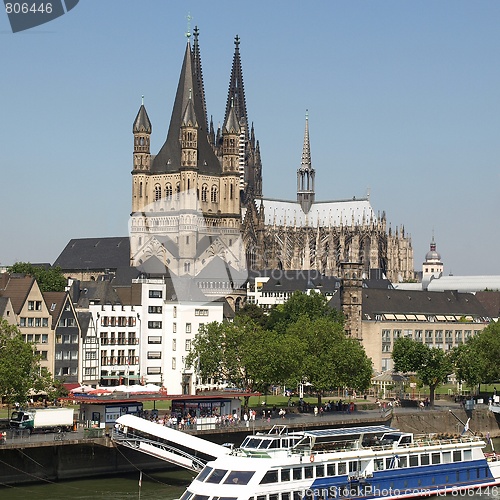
x: 43, y: 420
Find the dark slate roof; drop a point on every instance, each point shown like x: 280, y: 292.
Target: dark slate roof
x: 123, y: 276
x: 84, y: 318
x: 92, y: 254
x: 491, y: 302
x: 98, y: 292
x: 219, y: 270
x: 377, y: 301
x: 182, y: 289
x: 141, y: 122
x: 290, y: 281
x: 168, y: 158
x: 130, y: 295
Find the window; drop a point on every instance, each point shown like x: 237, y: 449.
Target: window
x: 204, y: 192
x: 43, y: 355
x: 45, y: 322
x: 188, y: 327
x: 201, y: 312
x: 174, y: 363
x: 187, y: 267
x: 297, y: 473
x: 168, y: 191
x: 30, y: 322
x: 154, y: 339
x: 271, y: 476
x: 154, y: 325
x: 154, y: 309
x: 155, y: 294
x: 174, y: 344
x: 38, y: 305
x: 174, y: 312
x: 285, y: 474
x: 22, y: 321
x: 31, y: 305
x: 38, y: 322
x: 45, y: 338
x: 213, y: 194
x: 157, y: 192
x: 154, y: 355
x: 188, y: 345
x: 154, y: 370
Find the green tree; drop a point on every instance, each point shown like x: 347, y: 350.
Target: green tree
x: 254, y: 312
x: 486, y: 347
x: 431, y: 364
x: 468, y: 363
x: 314, y: 305
x: 49, y: 280
x: 330, y: 359
x: 20, y: 371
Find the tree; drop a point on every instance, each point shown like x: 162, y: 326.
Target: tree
x: 49, y: 280
x: 486, y: 347
x: 431, y: 364
x: 254, y: 312
x: 331, y: 359
x: 20, y: 371
x: 314, y: 305
x: 468, y: 363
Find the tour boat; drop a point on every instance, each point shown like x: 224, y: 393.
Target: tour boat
x: 372, y: 462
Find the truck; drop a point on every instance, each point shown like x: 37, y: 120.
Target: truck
x: 43, y: 420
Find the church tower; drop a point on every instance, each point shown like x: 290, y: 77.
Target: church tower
x: 305, y: 174
x: 433, y: 266
x: 142, y: 158
x: 351, y: 297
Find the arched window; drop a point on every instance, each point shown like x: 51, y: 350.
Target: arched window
x: 178, y: 191
x: 168, y: 191
x: 213, y: 194
x: 157, y: 192
x: 140, y: 189
x: 231, y: 194
x: 204, y: 192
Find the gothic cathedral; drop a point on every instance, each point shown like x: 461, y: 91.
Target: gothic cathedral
x: 200, y: 198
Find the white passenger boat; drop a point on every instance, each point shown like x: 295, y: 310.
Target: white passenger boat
x: 373, y: 462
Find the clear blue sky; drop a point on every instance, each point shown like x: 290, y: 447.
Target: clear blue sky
x: 403, y: 99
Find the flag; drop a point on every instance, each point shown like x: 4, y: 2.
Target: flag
x: 466, y: 427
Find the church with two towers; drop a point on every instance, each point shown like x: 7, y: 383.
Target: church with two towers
x: 200, y: 199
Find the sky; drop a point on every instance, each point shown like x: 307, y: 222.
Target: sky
x: 403, y: 99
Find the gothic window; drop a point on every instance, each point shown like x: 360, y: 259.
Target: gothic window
x: 178, y: 191
x: 231, y: 194
x: 187, y: 267
x: 157, y: 192
x: 168, y: 191
x: 140, y: 189
x: 204, y: 192
x: 213, y: 195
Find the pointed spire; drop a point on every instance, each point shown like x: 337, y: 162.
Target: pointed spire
x: 232, y: 126
x: 199, y: 74
x: 141, y: 122
x: 236, y: 88
x: 305, y: 163
x: 189, y: 117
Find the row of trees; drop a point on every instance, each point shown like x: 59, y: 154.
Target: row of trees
x: 475, y: 362
x: 302, y: 340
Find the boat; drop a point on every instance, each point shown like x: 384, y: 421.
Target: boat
x: 369, y: 462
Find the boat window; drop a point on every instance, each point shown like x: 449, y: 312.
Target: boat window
x: 284, y: 443
x: 405, y: 440
x: 413, y: 460
x: 203, y: 474
x: 330, y: 469
x: 239, y: 477
x: 251, y: 443
x: 271, y: 476
x: 320, y: 471
x: 261, y: 497
x: 446, y: 457
x: 264, y: 445
x: 285, y: 496
x: 224, y: 498
x: 285, y: 474
x: 186, y: 496
x: 298, y: 495
x: 273, y: 497
x: 467, y: 455
x: 379, y: 464
x: 216, y: 476
x: 403, y: 461
x: 308, y: 472
x: 275, y: 443
x: 424, y: 459
x: 457, y: 456
x: 200, y: 497
x: 342, y: 468
x: 353, y: 466
x: 436, y: 458
x: 297, y: 473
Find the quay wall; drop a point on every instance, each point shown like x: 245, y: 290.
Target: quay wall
x: 53, y: 461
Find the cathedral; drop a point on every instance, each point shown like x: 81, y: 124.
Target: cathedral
x: 198, y: 203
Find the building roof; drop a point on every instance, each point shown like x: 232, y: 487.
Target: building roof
x: 17, y: 288
x: 4, y: 304
x: 323, y: 213
x: 141, y: 122
x: 91, y: 254
x: 377, y: 301
x: 290, y: 281
x: 168, y: 158
x: 55, y: 302
x: 96, y: 292
x: 491, y: 302
x: 464, y: 283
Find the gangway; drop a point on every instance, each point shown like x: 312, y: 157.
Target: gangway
x: 173, y: 446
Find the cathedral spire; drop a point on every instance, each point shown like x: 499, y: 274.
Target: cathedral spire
x: 305, y: 174
x: 236, y: 91
x: 199, y: 74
